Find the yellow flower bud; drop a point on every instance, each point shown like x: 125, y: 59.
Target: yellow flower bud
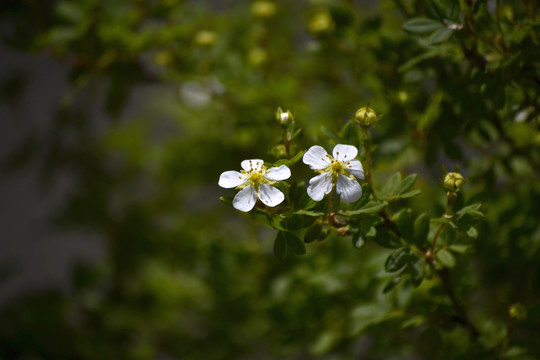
x: 205, y: 38
x: 366, y: 116
x: 257, y: 56
x: 263, y: 9
x: 321, y: 22
x: 402, y: 96
x: 453, y: 181
x: 284, y: 117
x: 518, y: 311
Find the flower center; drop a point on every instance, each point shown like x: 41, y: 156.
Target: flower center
x: 256, y: 177
x: 337, y: 167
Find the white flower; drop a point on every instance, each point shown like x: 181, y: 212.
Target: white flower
x: 338, y: 170
x: 255, y: 181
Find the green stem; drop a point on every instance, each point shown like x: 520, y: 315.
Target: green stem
x: 462, y: 317
x: 367, y: 154
x: 451, y: 198
x: 441, y: 226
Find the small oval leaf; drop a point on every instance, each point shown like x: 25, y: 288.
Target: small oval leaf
x: 280, y: 246
x: 397, y: 260
x: 358, y: 241
x: 422, y: 26
x: 294, y: 243
x: 446, y: 258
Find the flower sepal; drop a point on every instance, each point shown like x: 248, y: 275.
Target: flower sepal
x: 227, y: 200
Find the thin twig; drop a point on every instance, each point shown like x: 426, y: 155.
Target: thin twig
x: 462, y: 317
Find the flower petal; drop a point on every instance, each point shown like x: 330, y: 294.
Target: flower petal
x: 270, y: 196
x: 245, y: 199
x: 316, y: 157
x: 231, y: 179
x: 344, y: 152
x: 319, y: 186
x: 349, y: 189
x: 278, y: 173
x: 255, y: 164
x: 355, y: 167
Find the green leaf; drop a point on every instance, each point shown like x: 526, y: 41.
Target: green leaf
x: 467, y: 209
x: 324, y: 342
x: 405, y: 223
x: 295, y: 134
x: 369, y: 314
x: 422, y: 26
x: 309, y: 213
x: 295, y: 244
x: 446, y: 258
x: 367, y: 226
x: 414, y: 322
x: 291, y: 161
x: 439, y: 50
x: 387, y: 239
x: 452, y: 10
x: 280, y: 246
x: 391, y: 284
x: 441, y: 220
x: 406, y: 184
x: 394, y: 189
x: 271, y: 221
x: 435, y: 10
x: 276, y: 222
x: 460, y: 249
x: 299, y: 198
x: 421, y: 230
x: 372, y: 232
x: 397, y: 260
x: 465, y: 220
x: 440, y: 35
x: 431, y: 112
x: 370, y: 208
x: 390, y: 188
x: 407, y: 195
x: 313, y: 233
x: 416, y: 269
x: 294, y: 222
x: 358, y: 241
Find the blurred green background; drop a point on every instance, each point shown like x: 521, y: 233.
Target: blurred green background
x: 119, y: 116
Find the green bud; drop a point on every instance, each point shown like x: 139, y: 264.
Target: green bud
x: 453, y: 181
x: 366, y: 116
x: 284, y: 117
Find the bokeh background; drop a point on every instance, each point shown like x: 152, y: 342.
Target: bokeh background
x: 117, y: 118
